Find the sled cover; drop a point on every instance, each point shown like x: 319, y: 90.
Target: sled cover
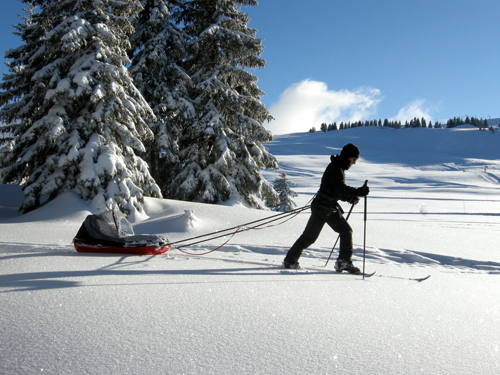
x: 111, y: 228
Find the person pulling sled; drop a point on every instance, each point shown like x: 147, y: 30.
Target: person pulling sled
x: 326, y: 209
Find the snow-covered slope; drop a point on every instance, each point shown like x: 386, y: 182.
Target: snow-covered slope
x: 434, y: 208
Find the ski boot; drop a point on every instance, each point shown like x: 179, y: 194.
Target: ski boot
x: 345, y: 265
x: 295, y: 265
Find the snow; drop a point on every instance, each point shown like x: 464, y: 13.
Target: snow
x: 434, y: 208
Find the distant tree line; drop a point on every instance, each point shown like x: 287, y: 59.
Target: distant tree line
x: 457, y: 121
x: 482, y: 124
x: 415, y: 123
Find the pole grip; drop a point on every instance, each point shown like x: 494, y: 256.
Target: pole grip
x: 366, y: 184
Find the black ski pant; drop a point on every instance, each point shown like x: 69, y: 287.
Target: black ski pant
x: 319, y: 216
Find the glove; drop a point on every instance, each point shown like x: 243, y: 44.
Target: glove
x: 363, y: 191
x: 354, y: 200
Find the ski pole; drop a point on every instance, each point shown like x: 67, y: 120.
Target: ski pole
x: 364, y: 235
x: 347, y: 218
x: 335, y: 244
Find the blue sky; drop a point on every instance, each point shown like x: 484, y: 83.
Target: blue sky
x: 344, y: 60
x: 339, y: 59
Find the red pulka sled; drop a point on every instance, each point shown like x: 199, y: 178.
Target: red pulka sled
x: 111, y: 233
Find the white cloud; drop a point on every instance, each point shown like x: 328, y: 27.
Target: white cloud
x: 413, y: 109
x: 310, y: 103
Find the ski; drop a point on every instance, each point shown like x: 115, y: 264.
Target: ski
x: 421, y: 279
x: 417, y: 279
x: 366, y: 275
x: 319, y: 270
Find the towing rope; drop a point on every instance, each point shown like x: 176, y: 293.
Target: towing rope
x: 208, y: 252
x: 240, y: 228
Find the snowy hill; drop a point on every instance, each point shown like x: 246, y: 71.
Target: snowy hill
x: 494, y: 121
x: 434, y: 209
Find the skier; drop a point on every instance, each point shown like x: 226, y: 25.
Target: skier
x: 325, y: 209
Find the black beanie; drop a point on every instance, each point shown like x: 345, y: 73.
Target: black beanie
x: 350, y: 151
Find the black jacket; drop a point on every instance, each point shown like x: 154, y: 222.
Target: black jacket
x: 333, y: 187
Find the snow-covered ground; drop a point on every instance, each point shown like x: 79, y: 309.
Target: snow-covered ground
x: 434, y: 209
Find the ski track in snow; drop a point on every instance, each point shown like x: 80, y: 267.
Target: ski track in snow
x: 261, y: 261
x: 374, y: 256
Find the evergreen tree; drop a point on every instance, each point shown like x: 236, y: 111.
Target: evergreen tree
x: 282, y: 186
x: 17, y: 84
x: 158, y: 47
x: 79, y: 115
x: 222, y: 151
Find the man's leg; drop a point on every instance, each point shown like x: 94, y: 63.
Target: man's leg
x: 308, y: 237
x: 340, y: 225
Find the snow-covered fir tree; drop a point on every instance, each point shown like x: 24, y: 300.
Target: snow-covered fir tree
x: 282, y: 186
x: 80, y: 117
x: 222, y: 152
x: 158, y: 46
x: 17, y: 83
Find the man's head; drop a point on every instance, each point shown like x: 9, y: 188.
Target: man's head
x: 350, y: 153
